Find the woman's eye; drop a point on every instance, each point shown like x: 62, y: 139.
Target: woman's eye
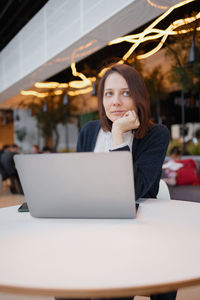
x: 108, y: 94
x: 126, y: 93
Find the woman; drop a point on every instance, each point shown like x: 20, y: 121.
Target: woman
x: 125, y: 125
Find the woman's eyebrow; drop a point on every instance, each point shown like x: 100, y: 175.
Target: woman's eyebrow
x: 110, y: 89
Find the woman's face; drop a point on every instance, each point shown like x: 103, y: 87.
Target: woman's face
x: 116, y: 97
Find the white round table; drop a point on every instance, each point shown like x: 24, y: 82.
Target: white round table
x: 78, y: 258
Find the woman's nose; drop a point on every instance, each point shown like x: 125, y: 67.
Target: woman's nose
x: 116, y: 99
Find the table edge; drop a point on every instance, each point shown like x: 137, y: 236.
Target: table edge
x: 101, y: 293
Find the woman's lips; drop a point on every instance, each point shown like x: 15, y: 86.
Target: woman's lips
x: 117, y: 112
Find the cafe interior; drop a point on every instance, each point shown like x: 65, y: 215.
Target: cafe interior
x: 53, y: 55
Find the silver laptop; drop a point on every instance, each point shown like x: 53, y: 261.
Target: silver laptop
x: 78, y: 185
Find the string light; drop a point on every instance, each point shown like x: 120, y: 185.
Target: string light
x: 63, y: 85
x: 137, y: 39
x: 79, y: 92
x: 34, y: 93
x: 88, y: 52
x: 84, y: 82
x: 159, y: 46
x: 75, y: 84
x: 58, y: 92
x: 150, y: 33
x: 157, y: 6
x: 51, y: 85
x: 40, y: 95
x: 103, y: 71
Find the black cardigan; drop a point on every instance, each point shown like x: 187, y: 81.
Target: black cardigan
x: 148, y: 155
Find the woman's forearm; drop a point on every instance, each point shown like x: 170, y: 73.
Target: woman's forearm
x: 117, y: 137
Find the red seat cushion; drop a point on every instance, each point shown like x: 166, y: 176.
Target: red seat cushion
x: 188, y: 173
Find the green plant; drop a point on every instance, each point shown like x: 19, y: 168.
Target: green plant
x: 157, y: 90
x: 174, y: 143
x: 186, y: 75
x: 21, y: 133
x: 49, y: 112
x: 193, y: 148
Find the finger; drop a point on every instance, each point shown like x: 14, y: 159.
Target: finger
x: 127, y: 113
x: 133, y: 113
x: 137, y: 123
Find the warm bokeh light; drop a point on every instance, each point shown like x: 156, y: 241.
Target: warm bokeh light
x: 79, y: 92
x: 84, y: 85
x: 58, y: 92
x: 103, y: 71
x: 51, y: 85
x: 34, y: 93
x: 151, y: 33
x: 156, y: 5
x: 85, y: 81
x: 40, y: 95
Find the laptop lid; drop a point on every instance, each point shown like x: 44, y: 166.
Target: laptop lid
x: 78, y: 185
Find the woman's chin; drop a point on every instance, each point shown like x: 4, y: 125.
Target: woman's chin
x: 115, y: 118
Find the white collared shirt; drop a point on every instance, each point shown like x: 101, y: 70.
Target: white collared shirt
x: 104, y: 141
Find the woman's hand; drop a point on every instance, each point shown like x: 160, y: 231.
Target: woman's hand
x: 129, y: 121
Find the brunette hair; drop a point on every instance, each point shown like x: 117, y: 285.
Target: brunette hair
x: 138, y: 93
x: 175, y: 151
